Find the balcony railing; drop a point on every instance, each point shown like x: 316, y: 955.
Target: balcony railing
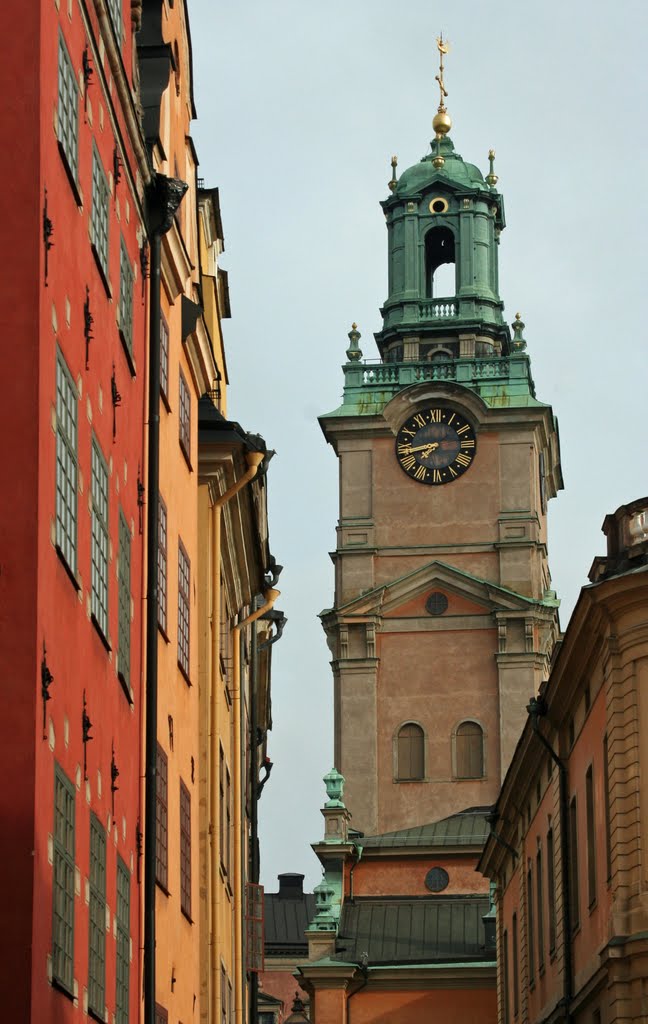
x: 439, y: 309
x: 377, y: 374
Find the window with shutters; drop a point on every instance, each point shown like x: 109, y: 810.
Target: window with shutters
x: 63, y: 883
x: 97, y: 921
x: 66, y: 464
x: 124, y: 601
x: 122, y: 925
x: 126, y: 285
x: 185, y: 418
x: 574, y: 900
x: 164, y: 360
x: 99, y: 214
x: 225, y: 797
x: 99, y: 545
x: 162, y: 565
x: 184, y: 590
x: 591, y: 838
x: 410, y: 753
x: 185, y: 850
x: 530, y: 926
x: 540, y: 908
x: 516, y: 976
x: 68, y: 110
x: 551, y: 891
x: 469, y: 751
x: 161, y: 820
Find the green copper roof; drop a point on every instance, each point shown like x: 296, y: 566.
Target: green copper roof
x: 467, y: 828
x: 455, y: 170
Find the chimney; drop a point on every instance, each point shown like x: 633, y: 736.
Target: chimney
x: 291, y: 886
x: 626, y: 531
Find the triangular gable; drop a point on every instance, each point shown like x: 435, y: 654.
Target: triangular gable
x: 392, y: 597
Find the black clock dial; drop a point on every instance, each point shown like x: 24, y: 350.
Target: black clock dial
x: 436, y: 445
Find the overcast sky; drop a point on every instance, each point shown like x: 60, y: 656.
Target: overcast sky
x: 300, y: 108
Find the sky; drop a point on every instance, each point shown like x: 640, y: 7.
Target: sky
x: 300, y: 108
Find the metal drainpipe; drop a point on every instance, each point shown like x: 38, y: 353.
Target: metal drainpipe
x: 270, y: 597
x: 254, y: 460
x: 537, y: 708
x: 163, y: 198
x: 254, y: 782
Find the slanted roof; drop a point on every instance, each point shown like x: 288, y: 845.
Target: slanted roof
x: 417, y: 930
x: 286, y: 920
x: 467, y: 828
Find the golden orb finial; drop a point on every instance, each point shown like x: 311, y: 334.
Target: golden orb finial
x: 491, y: 177
x: 442, y: 122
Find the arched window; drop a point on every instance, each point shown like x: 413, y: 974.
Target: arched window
x: 410, y: 748
x: 469, y: 751
x: 440, y: 251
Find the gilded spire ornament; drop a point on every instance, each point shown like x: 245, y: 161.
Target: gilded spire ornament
x: 442, y: 123
x: 391, y: 185
x: 491, y: 177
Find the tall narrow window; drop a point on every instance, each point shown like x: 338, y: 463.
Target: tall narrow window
x: 126, y: 283
x: 97, y: 918
x: 224, y: 998
x: 551, y: 891
x: 222, y: 831
x: 505, y: 978
x: 185, y: 417
x: 122, y: 925
x: 99, y: 546
x: 540, y: 908
x: 68, y: 110
x: 530, y: 927
x: 184, y: 590
x: 606, y: 804
x: 574, y: 901
x: 63, y: 883
x: 124, y: 601
x: 162, y: 565
x: 185, y: 850
x: 469, y: 751
x: 114, y: 9
x: 164, y: 360
x: 410, y: 753
x: 161, y: 821
x: 591, y: 837
x: 516, y: 979
x: 161, y: 1015
x: 66, y: 463
x: 99, y: 214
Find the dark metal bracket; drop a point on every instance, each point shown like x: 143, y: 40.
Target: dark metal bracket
x: 118, y: 163
x: 114, y: 775
x: 86, y: 726
x: 88, y: 321
x: 116, y: 400
x: 48, y: 231
x: 141, y: 490
x: 88, y: 72
x: 144, y: 264
x: 46, y: 681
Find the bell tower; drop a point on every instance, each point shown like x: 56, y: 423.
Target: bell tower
x: 444, y: 618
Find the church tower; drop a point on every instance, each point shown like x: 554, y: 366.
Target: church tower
x: 444, y: 618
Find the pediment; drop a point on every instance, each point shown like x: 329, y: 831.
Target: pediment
x: 406, y: 595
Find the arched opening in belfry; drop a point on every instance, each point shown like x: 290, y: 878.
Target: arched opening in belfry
x: 440, y: 274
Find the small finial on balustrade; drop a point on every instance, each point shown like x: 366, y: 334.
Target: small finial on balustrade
x: 391, y: 185
x: 519, y: 342
x: 491, y: 177
x: 354, y: 353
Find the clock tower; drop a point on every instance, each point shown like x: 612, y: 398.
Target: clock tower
x: 444, y: 618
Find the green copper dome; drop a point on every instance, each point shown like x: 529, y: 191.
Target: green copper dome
x: 454, y: 170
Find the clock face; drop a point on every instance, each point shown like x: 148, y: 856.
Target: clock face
x: 435, y: 445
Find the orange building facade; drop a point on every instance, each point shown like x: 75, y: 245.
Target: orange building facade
x: 569, y: 833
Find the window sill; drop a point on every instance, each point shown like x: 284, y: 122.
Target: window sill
x: 68, y: 569
x: 74, y: 185
x: 593, y: 905
x: 186, y: 455
x: 184, y: 675
x: 95, y: 622
x: 102, y: 273
x: 96, y: 1015
x: 61, y: 987
x: 163, y: 631
x: 164, y: 399
x: 408, y: 782
x: 125, y: 685
x: 128, y: 353
x: 162, y: 887
x: 187, y: 916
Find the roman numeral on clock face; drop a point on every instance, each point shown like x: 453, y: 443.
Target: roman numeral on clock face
x: 435, y: 445
x: 463, y: 459
x: 421, y: 473
x: 408, y: 462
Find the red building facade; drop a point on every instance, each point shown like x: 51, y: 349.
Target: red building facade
x: 71, y: 595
